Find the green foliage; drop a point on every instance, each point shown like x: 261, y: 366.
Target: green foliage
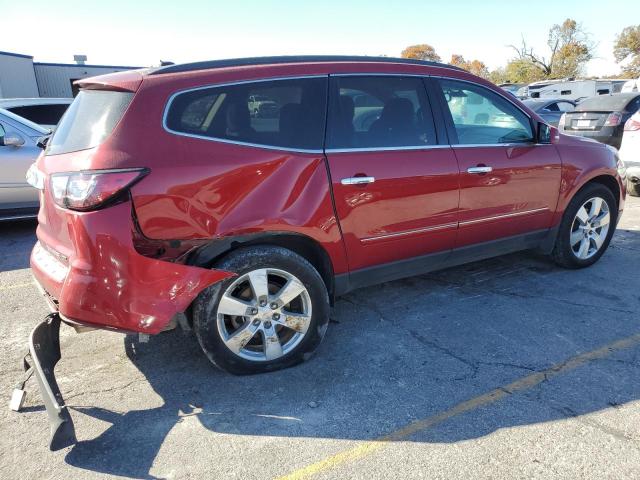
x: 627, y: 48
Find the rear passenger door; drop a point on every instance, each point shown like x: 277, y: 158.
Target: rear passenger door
x: 395, y: 186
x: 509, y: 184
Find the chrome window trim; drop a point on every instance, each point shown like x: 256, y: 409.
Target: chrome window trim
x: 506, y: 145
x: 385, y: 149
x: 404, y: 233
x: 236, y: 142
x: 505, y: 215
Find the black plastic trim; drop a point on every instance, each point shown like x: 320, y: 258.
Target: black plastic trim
x: 437, y: 261
x: 244, y: 62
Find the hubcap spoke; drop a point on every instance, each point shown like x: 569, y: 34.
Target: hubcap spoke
x: 582, y: 215
x: 292, y: 289
x: 259, y: 283
x: 584, y: 248
x: 272, y: 346
x: 232, y: 306
x: 596, y: 207
x: 577, y: 236
x: 242, y: 336
x: 602, y: 220
x: 598, y: 239
x: 295, y: 321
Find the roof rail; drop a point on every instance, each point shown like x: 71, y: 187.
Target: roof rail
x: 241, y: 62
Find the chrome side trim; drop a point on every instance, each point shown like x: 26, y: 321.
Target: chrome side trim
x: 409, y: 232
x: 225, y: 140
x: 506, y: 215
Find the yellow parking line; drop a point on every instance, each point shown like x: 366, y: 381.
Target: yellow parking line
x: 11, y: 287
x: 522, y: 384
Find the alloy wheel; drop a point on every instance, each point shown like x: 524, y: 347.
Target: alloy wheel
x: 264, y: 314
x: 590, y: 228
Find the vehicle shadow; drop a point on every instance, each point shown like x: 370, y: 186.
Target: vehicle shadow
x: 16, y: 240
x: 399, y: 352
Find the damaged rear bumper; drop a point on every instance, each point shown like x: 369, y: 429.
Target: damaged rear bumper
x: 105, y: 283
x: 44, y: 347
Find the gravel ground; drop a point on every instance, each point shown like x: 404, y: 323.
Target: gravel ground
x: 507, y: 368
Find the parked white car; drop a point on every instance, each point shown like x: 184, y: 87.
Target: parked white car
x: 46, y: 112
x: 630, y: 153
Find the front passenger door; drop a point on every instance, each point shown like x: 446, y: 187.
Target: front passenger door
x: 509, y: 184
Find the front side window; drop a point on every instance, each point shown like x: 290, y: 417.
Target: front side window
x: 379, y: 112
x: 276, y: 113
x: 481, y: 116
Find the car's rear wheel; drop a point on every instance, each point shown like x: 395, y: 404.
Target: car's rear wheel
x: 272, y: 315
x: 586, y: 228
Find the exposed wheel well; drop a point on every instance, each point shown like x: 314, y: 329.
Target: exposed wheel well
x: 304, y: 246
x: 610, y: 182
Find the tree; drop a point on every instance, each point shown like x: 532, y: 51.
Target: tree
x: 421, y: 52
x: 521, y: 70
x: 474, y: 66
x: 569, y: 50
x: 627, y: 47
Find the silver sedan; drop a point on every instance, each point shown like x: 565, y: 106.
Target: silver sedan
x: 18, y: 150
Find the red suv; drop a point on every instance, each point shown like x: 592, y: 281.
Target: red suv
x: 172, y: 195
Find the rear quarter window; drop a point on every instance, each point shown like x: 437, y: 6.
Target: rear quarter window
x: 287, y: 113
x: 88, y: 121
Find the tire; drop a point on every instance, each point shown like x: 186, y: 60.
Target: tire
x: 572, y: 228
x: 633, y: 189
x: 272, y: 334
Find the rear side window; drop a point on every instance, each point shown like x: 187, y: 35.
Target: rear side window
x: 275, y: 113
x: 481, y: 116
x: 88, y: 121
x: 369, y: 112
x: 41, y: 114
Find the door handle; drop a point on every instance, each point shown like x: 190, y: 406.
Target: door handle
x: 357, y: 180
x: 479, y: 169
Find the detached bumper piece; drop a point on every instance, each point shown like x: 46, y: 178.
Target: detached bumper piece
x: 44, y: 347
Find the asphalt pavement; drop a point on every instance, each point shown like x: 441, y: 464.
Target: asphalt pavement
x: 506, y: 368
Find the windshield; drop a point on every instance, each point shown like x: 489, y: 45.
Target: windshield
x: 27, y: 123
x: 607, y: 103
x: 88, y: 121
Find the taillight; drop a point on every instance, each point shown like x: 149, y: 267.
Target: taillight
x: 632, y: 124
x: 92, y: 189
x: 614, y: 119
x: 563, y: 120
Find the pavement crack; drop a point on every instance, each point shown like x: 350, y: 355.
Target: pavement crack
x: 475, y: 290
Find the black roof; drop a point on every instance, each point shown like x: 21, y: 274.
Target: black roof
x: 242, y: 62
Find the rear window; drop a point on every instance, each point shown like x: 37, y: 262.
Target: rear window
x: 41, y: 114
x: 275, y: 113
x: 88, y: 121
x: 605, y: 103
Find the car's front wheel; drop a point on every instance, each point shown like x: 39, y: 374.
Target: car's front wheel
x: 586, y: 228
x: 272, y: 315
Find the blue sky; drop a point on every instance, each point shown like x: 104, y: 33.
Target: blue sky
x: 143, y: 32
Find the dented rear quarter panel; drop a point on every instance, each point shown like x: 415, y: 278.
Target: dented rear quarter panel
x: 204, y: 189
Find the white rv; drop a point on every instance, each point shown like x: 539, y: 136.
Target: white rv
x: 577, y: 90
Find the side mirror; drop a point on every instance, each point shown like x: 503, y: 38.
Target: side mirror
x: 547, y: 133
x: 12, y: 140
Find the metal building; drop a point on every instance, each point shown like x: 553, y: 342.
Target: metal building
x: 20, y: 76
